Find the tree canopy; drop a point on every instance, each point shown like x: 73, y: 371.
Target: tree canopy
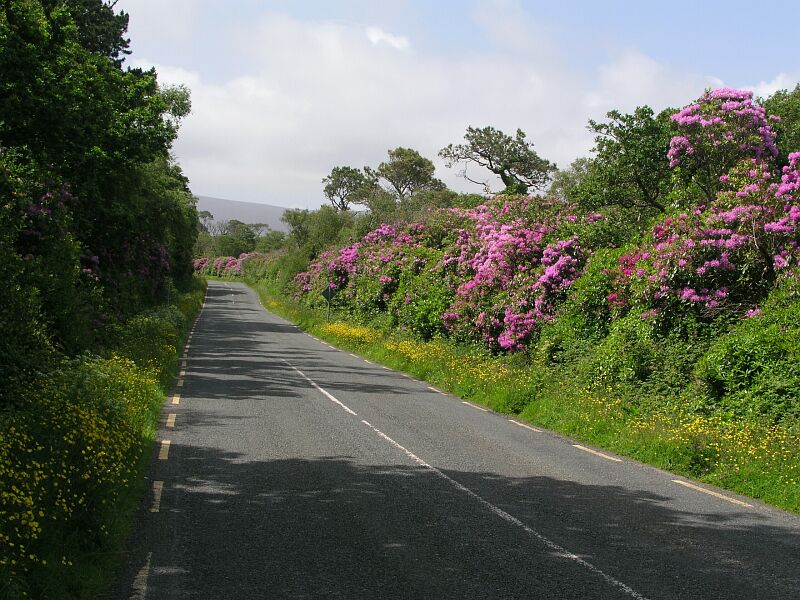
x: 97, y: 220
x: 514, y: 160
x: 345, y: 186
x: 630, y: 168
x: 406, y: 173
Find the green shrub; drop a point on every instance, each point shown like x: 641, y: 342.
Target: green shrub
x: 65, y: 463
x: 422, y: 296
x: 628, y: 354
x: 753, y: 369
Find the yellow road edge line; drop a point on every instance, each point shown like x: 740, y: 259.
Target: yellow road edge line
x: 712, y: 493
x: 171, y: 420
x: 525, y: 426
x: 596, y: 453
x: 176, y: 399
x: 163, y: 452
x: 473, y: 406
x: 158, y: 487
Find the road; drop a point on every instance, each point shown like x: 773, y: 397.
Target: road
x: 286, y: 468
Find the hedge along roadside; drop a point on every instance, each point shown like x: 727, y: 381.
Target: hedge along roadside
x: 74, y: 454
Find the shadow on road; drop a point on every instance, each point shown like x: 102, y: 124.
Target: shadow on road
x: 331, y: 527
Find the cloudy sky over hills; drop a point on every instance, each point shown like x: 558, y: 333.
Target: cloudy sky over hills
x: 282, y: 91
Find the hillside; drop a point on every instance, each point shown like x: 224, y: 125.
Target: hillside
x: 246, y: 212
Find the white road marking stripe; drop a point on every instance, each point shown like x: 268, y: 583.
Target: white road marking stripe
x: 430, y: 387
x: 180, y: 383
x: 712, y: 493
x: 525, y: 426
x: 559, y: 550
x: 176, y: 399
x: 320, y: 390
x: 387, y: 368
x: 182, y: 373
x: 369, y: 362
x: 158, y: 487
x: 139, y: 586
x: 473, y: 406
x: 353, y: 355
x: 163, y: 452
x: 171, y: 420
x: 596, y: 453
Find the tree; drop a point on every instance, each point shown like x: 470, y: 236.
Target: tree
x: 566, y: 181
x: 631, y: 168
x: 270, y: 240
x: 297, y: 220
x: 100, y: 29
x: 406, y: 172
x: 786, y: 105
x: 514, y: 160
x: 345, y: 186
x: 235, y: 238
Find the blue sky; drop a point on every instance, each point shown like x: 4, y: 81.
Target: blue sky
x: 285, y: 90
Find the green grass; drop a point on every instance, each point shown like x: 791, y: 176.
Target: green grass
x: 748, y: 456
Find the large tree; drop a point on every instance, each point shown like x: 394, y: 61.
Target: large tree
x: 406, y: 173
x: 513, y: 159
x: 345, y: 186
x: 631, y: 168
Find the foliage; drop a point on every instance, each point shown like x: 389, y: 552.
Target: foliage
x: 97, y: 222
x: 785, y: 105
x: 406, y: 173
x: 345, y: 186
x: 719, y: 130
x: 512, y: 159
x: 751, y: 371
x: 726, y: 255
x: 630, y: 168
x: 70, y: 453
x: 565, y: 182
x: 97, y: 225
x: 491, y: 274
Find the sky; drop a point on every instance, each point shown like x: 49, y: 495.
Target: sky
x: 285, y: 90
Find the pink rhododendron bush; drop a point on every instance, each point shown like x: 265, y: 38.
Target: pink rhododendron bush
x: 493, y: 273
x: 725, y: 254
x: 497, y: 273
x: 697, y: 306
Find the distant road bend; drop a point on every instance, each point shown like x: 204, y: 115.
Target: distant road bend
x: 286, y: 468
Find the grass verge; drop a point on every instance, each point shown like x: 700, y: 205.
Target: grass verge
x: 746, y: 456
x: 73, y: 454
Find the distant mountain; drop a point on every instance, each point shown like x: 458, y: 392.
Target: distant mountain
x: 246, y: 212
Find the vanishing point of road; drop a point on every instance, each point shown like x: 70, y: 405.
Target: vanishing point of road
x: 285, y: 468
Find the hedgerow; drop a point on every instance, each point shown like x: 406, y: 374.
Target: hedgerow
x: 71, y: 454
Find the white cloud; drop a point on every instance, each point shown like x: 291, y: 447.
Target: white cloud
x: 308, y: 96
x: 377, y: 36
x: 782, y: 81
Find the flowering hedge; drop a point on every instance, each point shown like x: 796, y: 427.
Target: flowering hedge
x: 222, y: 266
x: 726, y: 254
x: 491, y: 274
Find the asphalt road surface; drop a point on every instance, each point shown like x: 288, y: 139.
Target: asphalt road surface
x: 285, y: 468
